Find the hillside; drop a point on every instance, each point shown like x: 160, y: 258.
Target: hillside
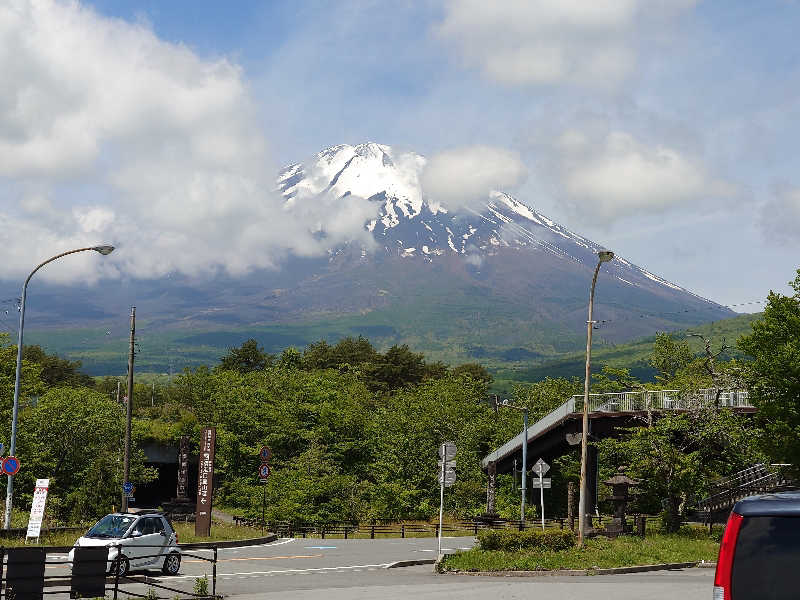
x: 632, y: 355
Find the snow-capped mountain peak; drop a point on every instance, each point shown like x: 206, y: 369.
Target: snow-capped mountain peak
x: 410, y: 224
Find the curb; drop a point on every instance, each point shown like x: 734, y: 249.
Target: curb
x: 577, y: 572
x: 410, y: 563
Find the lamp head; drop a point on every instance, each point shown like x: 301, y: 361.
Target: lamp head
x: 104, y: 250
x: 605, y: 255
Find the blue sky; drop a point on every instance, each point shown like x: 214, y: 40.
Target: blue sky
x: 666, y: 131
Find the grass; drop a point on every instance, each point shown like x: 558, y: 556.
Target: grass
x: 599, y: 553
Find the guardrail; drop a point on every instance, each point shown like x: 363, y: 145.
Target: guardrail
x: 24, y: 574
x: 660, y: 400
x: 390, y: 528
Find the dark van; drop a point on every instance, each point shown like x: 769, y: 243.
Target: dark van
x: 759, y: 557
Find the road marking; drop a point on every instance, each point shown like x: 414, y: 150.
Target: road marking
x: 259, y: 558
x: 317, y: 570
x: 320, y: 547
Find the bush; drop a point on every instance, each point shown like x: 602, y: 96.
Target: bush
x: 510, y: 540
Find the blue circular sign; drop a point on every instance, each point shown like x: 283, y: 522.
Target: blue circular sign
x: 10, y: 465
x: 263, y: 471
x: 127, y: 487
x: 265, y: 453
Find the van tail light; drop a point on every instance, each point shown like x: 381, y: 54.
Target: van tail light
x: 722, y: 578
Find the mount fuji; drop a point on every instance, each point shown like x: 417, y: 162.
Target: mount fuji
x: 494, y: 281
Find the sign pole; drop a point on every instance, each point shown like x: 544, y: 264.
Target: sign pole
x: 541, y: 492
x: 441, y: 497
x: 263, y: 507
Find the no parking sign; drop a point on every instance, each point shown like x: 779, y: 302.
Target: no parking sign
x: 11, y: 465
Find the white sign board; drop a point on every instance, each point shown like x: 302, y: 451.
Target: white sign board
x: 541, y: 467
x: 37, y: 508
x: 545, y: 483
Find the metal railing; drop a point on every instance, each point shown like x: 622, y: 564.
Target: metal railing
x: 660, y: 400
x: 24, y: 574
x: 759, y: 478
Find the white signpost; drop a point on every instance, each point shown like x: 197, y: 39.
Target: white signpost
x: 540, y: 468
x: 447, y: 477
x: 37, y: 509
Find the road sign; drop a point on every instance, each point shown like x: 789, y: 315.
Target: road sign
x: 127, y: 488
x: 37, y: 508
x: 449, y: 477
x: 10, y: 465
x: 265, y: 453
x: 450, y: 463
x: 545, y: 483
x: 263, y: 472
x: 2, y: 447
x: 541, y: 467
x: 447, y: 450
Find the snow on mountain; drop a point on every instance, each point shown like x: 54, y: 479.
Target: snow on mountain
x: 410, y: 224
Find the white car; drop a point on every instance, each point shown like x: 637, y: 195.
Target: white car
x: 135, y: 541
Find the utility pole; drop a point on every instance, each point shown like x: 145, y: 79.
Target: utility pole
x: 126, y: 459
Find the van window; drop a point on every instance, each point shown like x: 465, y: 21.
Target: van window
x: 765, y: 565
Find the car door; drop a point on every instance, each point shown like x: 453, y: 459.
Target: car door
x: 143, y: 543
x: 160, y: 539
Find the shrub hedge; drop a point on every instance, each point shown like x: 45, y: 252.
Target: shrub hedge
x: 510, y: 540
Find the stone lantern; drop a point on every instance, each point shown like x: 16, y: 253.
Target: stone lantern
x: 620, y: 493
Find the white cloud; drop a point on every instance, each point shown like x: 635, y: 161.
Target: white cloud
x: 109, y: 134
x: 780, y: 215
x: 602, y: 176
x: 464, y: 176
x: 555, y: 41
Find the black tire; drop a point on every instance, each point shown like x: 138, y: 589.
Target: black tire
x: 172, y: 564
x: 122, y: 567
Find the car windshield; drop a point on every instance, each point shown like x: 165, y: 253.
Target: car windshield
x: 110, y: 526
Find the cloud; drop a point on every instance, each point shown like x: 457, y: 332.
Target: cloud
x: 555, y: 41
x: 109, y: 134
x: 604, y: 176
x: 464, y: 176
x: 780, y: 215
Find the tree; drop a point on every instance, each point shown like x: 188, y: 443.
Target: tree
x: 474, y: 370
x: 544, y: 396
x: 773, y: 375
x: 614, y: 379
x: 669, y: 356
x: 248, y: 357
x: 680, y: 454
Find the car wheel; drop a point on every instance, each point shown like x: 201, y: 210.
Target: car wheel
x: 172, y: 564
x: 122, y: 566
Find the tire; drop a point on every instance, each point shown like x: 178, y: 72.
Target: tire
x: 172, y: 564
x: 122, y: 567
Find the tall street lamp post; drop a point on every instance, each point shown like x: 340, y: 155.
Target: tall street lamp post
x: 104, y: 250
x: 603, y: 256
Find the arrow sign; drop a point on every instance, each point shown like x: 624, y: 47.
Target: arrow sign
x: 545, y: 484
x: 541, y: 467
x: 447, y: 451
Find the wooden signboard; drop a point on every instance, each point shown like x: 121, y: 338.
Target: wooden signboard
x: 205, y: 482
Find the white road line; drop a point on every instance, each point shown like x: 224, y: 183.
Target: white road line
x: 319, y: 570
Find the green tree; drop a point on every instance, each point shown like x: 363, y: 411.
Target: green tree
x: 546, y: 395
x: 84, y: 466
x: 680, y: 454
x: 669, y: 356
x: 248, y: 357
x: 474, y: 370
x: 773, y: 375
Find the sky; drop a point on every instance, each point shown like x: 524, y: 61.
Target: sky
x: 664, y: 130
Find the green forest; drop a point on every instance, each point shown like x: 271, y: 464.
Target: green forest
x: 354, y: 431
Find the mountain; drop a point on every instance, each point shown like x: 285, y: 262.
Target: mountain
x: 497, y: 282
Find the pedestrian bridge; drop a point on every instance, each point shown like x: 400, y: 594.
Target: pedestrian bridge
x: 552, y: 435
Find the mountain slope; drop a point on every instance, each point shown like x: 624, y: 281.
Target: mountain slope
x: 496, y: 282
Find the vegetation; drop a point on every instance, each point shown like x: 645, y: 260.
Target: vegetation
x: 354, y: 430
x: 599, y: 553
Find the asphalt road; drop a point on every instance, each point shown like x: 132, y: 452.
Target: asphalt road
x: 353, y: 569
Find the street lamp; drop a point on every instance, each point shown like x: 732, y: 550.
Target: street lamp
x: 105, y: 250
x: 602, y: 256
x: 524, y: 410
